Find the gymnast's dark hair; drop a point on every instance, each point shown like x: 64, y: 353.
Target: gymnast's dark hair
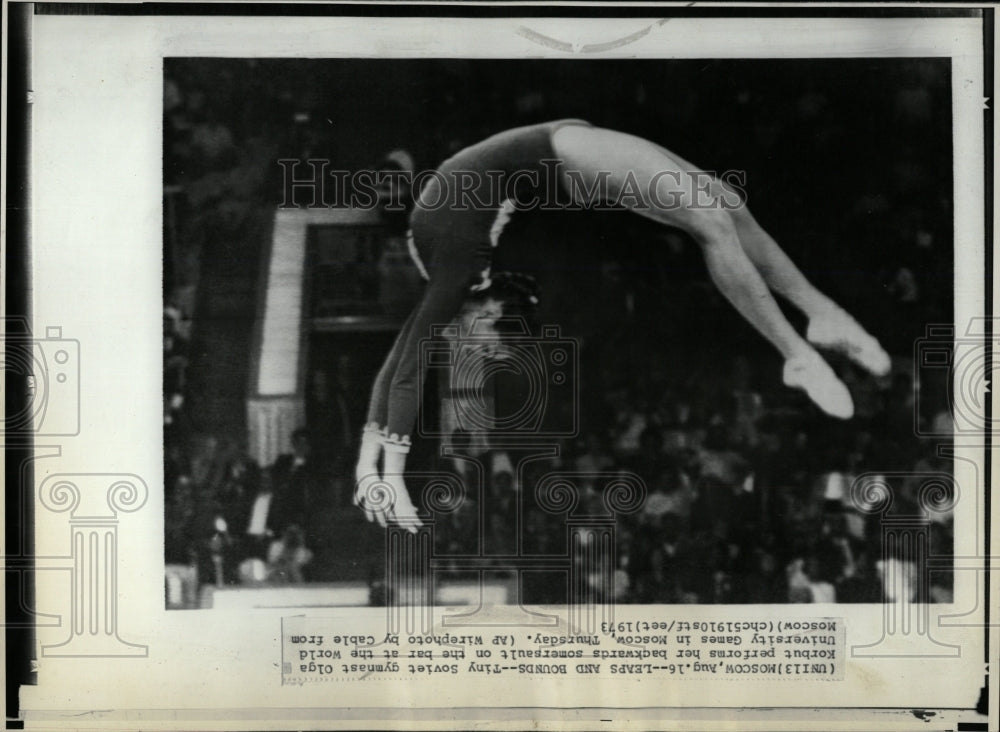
x: 518, y: 292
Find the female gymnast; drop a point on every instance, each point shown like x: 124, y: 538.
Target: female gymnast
x: 458, y: 219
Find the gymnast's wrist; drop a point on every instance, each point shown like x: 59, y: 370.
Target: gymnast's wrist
x: 394, y: 443
x: 371, y: 447
x: 395, y: 463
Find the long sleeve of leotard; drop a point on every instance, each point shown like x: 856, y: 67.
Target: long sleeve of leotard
x: 395, y: 399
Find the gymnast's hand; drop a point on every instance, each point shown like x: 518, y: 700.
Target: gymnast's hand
x: 383, y: 496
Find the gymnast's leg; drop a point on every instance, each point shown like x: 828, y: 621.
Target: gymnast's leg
x: 634, y: 169
x: 829, y: 325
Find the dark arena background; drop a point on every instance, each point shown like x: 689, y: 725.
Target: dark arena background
x: 276, y: 319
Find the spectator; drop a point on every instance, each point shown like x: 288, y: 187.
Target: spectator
x: 261, y: 526
x: 287, y: 557
x: 300, y: 484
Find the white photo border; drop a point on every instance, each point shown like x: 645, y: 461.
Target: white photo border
x: 97, y: 117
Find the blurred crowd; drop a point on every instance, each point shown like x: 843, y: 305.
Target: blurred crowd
x: 748, y: 495
x: 747, y: 498
x: 232, y: 522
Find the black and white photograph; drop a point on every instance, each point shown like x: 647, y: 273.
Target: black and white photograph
x: 551, y: 366
x: 510, y: 285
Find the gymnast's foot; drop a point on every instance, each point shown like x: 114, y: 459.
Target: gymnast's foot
x: 838, y: 331
x: 810, y: 373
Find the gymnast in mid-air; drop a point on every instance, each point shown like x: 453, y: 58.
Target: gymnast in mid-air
x: 453, y: 236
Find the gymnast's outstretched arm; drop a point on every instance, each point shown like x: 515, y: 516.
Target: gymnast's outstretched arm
x: 393, y: 408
